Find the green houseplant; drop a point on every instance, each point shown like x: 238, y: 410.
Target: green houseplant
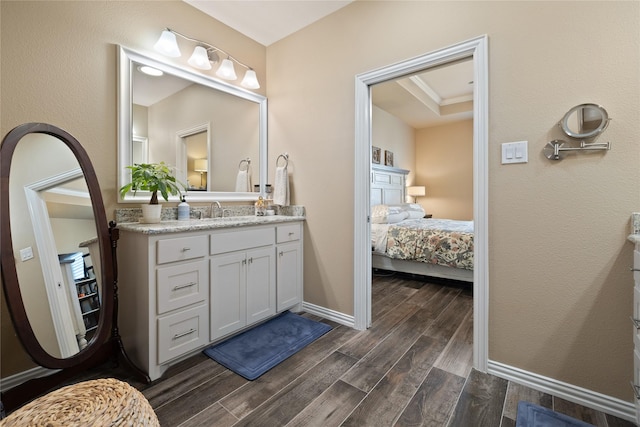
x: 152, y: 177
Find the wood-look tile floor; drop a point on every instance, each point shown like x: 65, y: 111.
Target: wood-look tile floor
x: 411, y: 368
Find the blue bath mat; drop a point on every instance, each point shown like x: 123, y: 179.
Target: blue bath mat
x: 530, y: 415
x: 254, y: 352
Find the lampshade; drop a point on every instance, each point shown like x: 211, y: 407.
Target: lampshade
x: 226, y: 70
x: 417, y: 190
x: 250, y: 81
x: 200, y: 165
x: 167, y: 44
x: 200, y: 59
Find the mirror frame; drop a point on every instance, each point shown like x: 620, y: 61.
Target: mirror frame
x: 10, y: 281
x: 564, y: 123
x: 126, y: 58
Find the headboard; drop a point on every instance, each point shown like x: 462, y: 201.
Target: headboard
x: 388, y: 185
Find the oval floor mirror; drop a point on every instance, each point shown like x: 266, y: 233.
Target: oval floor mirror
x: 59, y: 270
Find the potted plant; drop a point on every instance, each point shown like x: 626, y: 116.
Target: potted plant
x: 152, y: 177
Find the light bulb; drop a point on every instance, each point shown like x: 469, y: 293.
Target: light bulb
x: 199, y: 59
x: 167, y: 44
x: 250, y: 81
x: 226, y: 70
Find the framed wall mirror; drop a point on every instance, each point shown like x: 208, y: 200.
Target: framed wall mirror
x: 203, y: 126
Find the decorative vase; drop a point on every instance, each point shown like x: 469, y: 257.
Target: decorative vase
x: 151, y: 213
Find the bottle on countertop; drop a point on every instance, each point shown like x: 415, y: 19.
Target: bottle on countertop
x: 260, y: 207
x: 183, y: 210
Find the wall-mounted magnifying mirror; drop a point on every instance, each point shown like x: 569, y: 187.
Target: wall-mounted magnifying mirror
x: 585, y: 121
x: 202, y: 126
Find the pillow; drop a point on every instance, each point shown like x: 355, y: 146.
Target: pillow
x: 414, y: 211
x: 385, y: 214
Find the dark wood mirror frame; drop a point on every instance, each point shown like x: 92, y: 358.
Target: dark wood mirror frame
x: 106, y: 342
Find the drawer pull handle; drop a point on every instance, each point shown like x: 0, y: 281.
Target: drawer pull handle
x: 190, y: 331
x: 251, y: 260
x: 291, y: 233
x: 634, y: 269
x: 281, y: 253
x: 636, y: 390
x: 186, y: 249
x: 244, y: 261
x: 186, y: 285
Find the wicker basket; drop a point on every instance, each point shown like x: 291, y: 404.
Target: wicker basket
x: 103, y: 402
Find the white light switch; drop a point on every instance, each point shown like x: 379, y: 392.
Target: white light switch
x: 515, y: 152
x: 26, y: 254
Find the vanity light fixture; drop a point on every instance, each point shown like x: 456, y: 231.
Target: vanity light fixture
x: 415, y: 191
x: 203, y: 55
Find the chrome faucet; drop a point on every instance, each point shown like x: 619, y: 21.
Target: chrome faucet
x: 215, y: 202
x: 225, y: 211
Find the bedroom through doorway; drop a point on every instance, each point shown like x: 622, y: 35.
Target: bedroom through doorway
x: 400, y: 111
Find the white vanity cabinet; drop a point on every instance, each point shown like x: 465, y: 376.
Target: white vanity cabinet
x: 164, y: 296
x: 243, y: 279
x: 636, y: 329
x: 289, y: 266
x: 182, y: 291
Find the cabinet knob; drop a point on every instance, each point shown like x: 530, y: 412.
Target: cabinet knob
x: 281, y: 253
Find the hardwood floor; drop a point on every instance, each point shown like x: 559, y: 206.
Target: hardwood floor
x: 411, y: 368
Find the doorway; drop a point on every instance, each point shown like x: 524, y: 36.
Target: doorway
x: 476, y: 49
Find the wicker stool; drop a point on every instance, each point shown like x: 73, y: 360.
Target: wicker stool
x: 103, y: 402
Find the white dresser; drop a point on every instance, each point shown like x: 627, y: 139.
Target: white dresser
x: 181, y: 291
x: 636, y: 328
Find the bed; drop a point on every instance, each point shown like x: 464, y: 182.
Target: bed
x: 403, y: 240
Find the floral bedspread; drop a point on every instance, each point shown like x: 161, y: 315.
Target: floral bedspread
x: 435, y: 241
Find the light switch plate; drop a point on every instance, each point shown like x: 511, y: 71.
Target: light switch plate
x: 515, y: 152
x: 26, y: 254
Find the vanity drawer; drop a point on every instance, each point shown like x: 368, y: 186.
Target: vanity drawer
x: 181, y: 285
x: 288, y: 233
x: 240, y: 240
x: 182, y: 332
x: 181, y: 248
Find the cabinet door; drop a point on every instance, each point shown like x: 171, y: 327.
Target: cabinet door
x: 261, y: 288
x: 289, y: 281
x: 228, y: 294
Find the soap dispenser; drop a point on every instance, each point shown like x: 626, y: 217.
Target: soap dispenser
x: 183, y: 210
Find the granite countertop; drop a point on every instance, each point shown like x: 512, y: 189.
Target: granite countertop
x: 634, y: 237
x: 175, y: 226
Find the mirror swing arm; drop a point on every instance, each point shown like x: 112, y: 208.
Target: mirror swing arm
x: 106, y: 344
x: 591, y: 120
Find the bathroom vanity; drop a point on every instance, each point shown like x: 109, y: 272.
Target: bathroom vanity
x: 184, y: 285
x: 634, y: 237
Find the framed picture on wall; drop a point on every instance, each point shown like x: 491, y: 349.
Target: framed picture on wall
x: 388, y: 158
x: 375, y: 155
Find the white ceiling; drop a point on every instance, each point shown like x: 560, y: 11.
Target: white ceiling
x: 267, y: 21
x: 423, y: 100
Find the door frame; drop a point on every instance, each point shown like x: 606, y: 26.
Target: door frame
x: 476, y: 48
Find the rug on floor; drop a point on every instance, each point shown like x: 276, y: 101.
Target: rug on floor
x: 254, y: 352
x: 530, y: 415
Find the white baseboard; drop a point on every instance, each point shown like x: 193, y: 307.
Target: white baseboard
x: 336, y: 316
x: 581, y: 396
x: 17, y: 379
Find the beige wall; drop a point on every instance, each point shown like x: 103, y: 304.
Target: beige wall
x: 560, y: 289
x: 58, y: 65
x: 444, y: 165
x: 390, y: 133
x: 559, y: 284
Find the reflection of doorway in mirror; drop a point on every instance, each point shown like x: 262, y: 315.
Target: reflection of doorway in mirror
x: 197, y: 168
x: 139, y: 150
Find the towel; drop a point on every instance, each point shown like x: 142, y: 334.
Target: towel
x: 281, y: 187
x: 243, y: 181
